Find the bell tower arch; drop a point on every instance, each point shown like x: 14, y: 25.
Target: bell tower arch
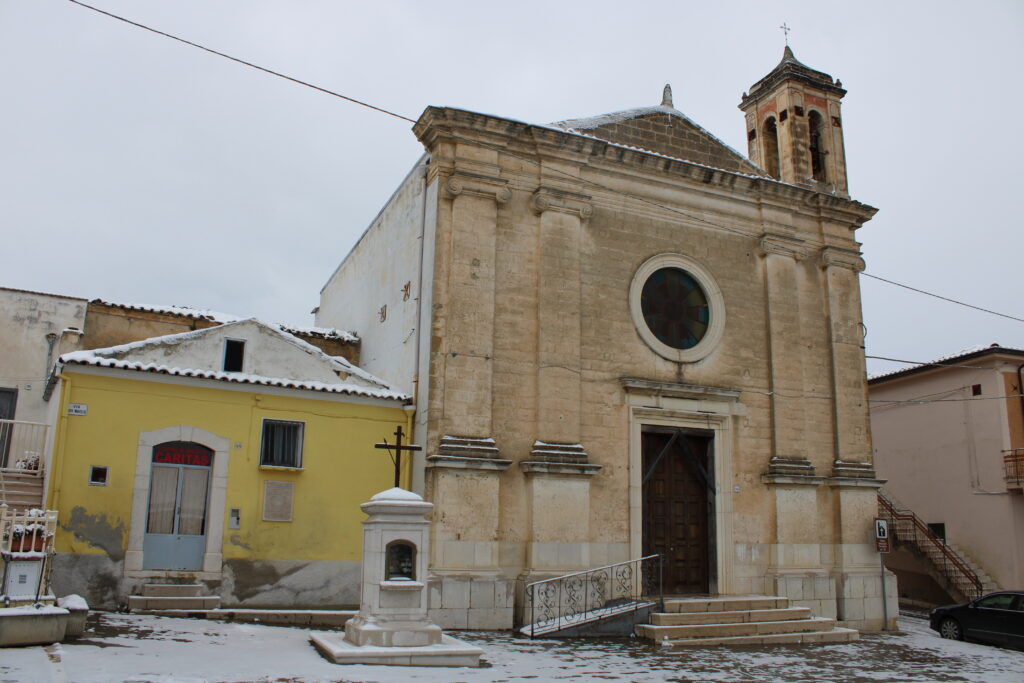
x: 794, y: 126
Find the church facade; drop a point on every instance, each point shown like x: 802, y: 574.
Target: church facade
x: 625, y: 338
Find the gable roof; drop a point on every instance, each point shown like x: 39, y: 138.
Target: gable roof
x: 663, y: 130
x: 127, y: 357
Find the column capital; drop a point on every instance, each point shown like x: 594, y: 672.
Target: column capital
x: 463, y: 182
x: 782, y: 245
x: 842, y: 258
x: 551, y: 199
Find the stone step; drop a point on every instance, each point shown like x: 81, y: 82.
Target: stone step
x: 757, y: 628
x: 690, y: 618
x: 726, y: 604
x: 137, y: 603
x: 172, y: 590
x: 836, y: 635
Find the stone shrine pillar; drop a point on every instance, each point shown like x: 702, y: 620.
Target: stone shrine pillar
x: 392, y: 626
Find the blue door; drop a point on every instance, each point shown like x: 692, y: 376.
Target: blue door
x: 179, y: 490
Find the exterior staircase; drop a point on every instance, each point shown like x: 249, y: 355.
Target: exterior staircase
x: 21, y: 489
x: 157, y: 598
x: 955, y: 571
x: 740, y: 620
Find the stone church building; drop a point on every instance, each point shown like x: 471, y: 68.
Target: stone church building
x: 626, y: 338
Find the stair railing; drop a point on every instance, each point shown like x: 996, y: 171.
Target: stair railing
x: 908, y: 528
x: 584, y: 596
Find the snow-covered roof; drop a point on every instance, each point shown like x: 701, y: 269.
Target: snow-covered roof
x: 220, y: 317
x: 183, y: 311
x: 950, y: 360
x: 358, y: 383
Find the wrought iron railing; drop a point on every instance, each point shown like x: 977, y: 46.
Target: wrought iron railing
x: 1013, y: 467
x: 908, y: 528
x: 591, y: 595
x: 21, y: 446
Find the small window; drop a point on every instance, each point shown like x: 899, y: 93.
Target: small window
x: 282, y: 443
x: 97, y: 476
x: 976, y: 390
x: 938, y: 529
x: 400, y: 561
x: 234, y: 354
x: 783, y: 115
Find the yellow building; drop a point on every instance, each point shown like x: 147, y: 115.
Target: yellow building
x: 235, y: 456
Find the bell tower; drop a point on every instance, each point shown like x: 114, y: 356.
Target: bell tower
x: 795, y: 128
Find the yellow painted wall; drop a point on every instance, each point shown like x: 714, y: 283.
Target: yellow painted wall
x: 340, y: 466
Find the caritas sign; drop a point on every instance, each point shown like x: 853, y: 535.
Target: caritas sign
x: 182, y: 453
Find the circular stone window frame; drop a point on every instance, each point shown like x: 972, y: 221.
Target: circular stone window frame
x: 716, y: 303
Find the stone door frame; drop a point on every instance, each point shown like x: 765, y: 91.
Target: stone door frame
x: 213, y: 558
x: 696, y: 408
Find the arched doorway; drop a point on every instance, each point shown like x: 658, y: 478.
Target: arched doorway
x: 176, y: 515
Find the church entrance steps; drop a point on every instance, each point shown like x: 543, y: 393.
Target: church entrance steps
x: 158, y: 597
x: 739, y: 620
x: 690, y: 618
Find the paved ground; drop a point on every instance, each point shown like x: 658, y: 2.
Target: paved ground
x: 139, y: 648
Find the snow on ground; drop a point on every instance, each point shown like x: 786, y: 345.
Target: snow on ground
x: 140, y: 648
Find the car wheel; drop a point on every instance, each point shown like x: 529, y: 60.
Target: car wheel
x: 950, y: 628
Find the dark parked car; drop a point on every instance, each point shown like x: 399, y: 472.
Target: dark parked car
x: 996, y: 618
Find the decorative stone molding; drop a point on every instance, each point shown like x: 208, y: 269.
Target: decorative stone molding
x: 550, y: 199
x: 842, y: 258
x: 854, y: 475
x: 782, y: 245
x: 463, y: 182
x: 649, y: 387
x: 558, y: 458
x: 467, y: 452
x: 791, y: 471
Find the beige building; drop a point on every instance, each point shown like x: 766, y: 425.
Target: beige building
x: 949, y: 440
x: 626, y: 338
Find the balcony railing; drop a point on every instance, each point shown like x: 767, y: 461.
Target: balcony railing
x: 21, y: 446
x: 1013, y: 468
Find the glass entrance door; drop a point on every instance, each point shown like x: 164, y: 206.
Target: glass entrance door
x: 179, y: 488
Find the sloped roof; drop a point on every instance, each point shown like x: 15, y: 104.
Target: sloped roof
x: 663, y: 130
x: 954, y: 360
x: 358, y: 383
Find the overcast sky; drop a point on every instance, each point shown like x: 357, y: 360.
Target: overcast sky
x: 138, y: 169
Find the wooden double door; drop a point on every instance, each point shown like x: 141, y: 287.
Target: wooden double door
x: 678, y: 506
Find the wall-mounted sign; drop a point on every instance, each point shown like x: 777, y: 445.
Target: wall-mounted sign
x: 182, y: 453
x: 78, y: 409
x: 882, y: 542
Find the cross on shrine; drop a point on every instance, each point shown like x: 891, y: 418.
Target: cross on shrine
x: 786, y: 30
x: 398, y: 450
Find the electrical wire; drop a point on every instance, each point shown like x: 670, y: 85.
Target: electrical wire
x: 512, y: 154
x: 242, y: 61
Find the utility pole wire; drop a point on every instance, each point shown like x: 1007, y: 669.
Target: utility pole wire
x: 937, y: 296
x: 242, y: 61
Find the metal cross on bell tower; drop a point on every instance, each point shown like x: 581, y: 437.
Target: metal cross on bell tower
x: 399, y: 447
x: 785, y: 31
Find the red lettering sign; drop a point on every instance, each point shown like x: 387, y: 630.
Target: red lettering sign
x: 182, y: 453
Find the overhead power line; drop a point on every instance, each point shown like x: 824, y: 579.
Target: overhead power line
x: 242, y: 61
x: 945, y: 298
x: 506, y: 151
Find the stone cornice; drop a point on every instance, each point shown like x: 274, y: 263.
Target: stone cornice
x: 783, y: 245
x: 551, y: 199
x: 841, y: 258
x: 650, y: 387
x: 463, y: 182
x: 467, y: 463
x: 530, y: 142
x: 572, y: 469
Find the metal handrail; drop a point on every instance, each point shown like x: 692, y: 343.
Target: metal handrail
x: 578, y: 597
x: 960, y: 575
x: 1013, y: 466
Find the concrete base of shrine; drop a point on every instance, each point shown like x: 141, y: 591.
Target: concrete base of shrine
x: 449, y: 652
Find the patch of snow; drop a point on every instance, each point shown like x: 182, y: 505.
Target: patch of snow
x: 325, y: 332
x: 946, y: 360
x: 73, y: 602
x: 30, y: 609
x: 184, y: 311
x: 397, y: 493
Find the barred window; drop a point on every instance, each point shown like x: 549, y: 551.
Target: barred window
x: 282, y: 443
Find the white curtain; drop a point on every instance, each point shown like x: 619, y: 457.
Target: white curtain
x: 192, y: 516
x: 162, y: 493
